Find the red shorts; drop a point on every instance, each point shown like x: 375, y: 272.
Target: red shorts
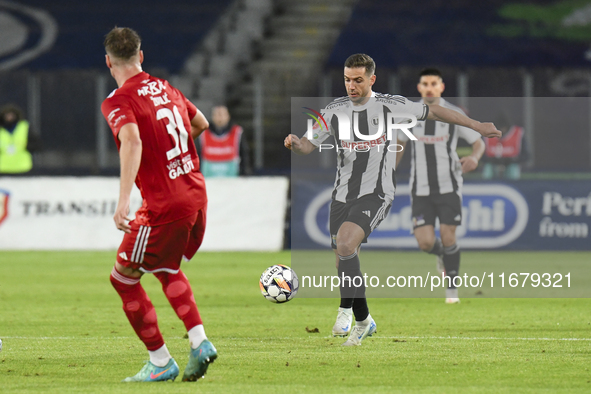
x: 161, y: 248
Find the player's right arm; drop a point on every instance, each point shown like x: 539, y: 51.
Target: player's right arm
x: 300, y: 146
x: 442, y: 114
x: 130, y: 156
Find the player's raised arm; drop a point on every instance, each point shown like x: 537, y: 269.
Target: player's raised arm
x: 198, y: 124
x: 439, y: 113
x: 130, y: 154
x: 300, y: 146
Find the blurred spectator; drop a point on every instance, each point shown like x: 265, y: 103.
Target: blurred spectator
x: 503, y: 156
x: 223, y: 152
x: 16, y: 142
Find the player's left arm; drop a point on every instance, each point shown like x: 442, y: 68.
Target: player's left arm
x: 442, y: 114
x: 470, y: 162
x: 198, y: 124
x: 130, y: 156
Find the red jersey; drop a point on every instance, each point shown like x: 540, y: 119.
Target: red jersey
x: 169, y: 179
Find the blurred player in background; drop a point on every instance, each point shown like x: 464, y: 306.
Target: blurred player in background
x: 222, y: 148
x: 151, y: 122
x: 436, y: 179
x: 364, y: 184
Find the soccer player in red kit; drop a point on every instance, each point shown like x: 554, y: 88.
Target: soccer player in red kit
x: 151, y: 122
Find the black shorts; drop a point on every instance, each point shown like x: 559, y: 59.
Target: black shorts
x: 367, y: 212
x: 447, y: 207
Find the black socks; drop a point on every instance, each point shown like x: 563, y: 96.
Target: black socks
x: 352, y: 286
x: 451, y: 261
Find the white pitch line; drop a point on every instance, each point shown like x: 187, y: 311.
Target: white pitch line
x: 312, y: 337
x: 490, y: 338
x: 66, y: 338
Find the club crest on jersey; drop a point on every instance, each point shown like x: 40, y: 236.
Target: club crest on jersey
x: 4, y: 196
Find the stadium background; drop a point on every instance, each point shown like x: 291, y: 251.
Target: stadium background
x: 230, y: 51
x: 255, y: 55
x: 60, y: 321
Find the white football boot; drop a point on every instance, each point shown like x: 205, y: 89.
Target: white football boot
x: 342, y: 326
x: 451, y: 296
x: 360, y: 332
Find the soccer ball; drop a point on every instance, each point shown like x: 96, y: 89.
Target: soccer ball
x: 279, y: 283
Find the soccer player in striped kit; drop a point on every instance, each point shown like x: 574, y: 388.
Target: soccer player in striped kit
x: 436, y: 179
x: 364, y: 185
x: 151, y: 122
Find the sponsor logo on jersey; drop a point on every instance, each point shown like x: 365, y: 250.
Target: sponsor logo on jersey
x: 112, y: 114
x: 432, y: 139
x: 118, y: 120
x: 177, y: 167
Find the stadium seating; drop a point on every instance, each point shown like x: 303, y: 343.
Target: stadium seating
x: 460, y: 33
x: 170, y: 30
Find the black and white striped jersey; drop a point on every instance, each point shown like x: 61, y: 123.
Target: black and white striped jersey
x: 366, y: 167
x: 435, y: 165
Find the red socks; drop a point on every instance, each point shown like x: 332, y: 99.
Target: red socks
x: 139, y: 309
x: 178, y: 291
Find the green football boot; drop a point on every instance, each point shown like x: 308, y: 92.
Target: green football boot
x: 152, y: 373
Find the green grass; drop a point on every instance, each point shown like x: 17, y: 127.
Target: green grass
x: 64, y: 331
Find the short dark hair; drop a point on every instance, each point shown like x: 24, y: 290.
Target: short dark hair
x: 361, y: 60
x: 430, y: 71
x: 122, y: 43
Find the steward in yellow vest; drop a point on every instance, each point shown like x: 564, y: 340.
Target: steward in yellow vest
x: 14, y: 137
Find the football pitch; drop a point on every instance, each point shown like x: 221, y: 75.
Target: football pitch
x: 63, y: 330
